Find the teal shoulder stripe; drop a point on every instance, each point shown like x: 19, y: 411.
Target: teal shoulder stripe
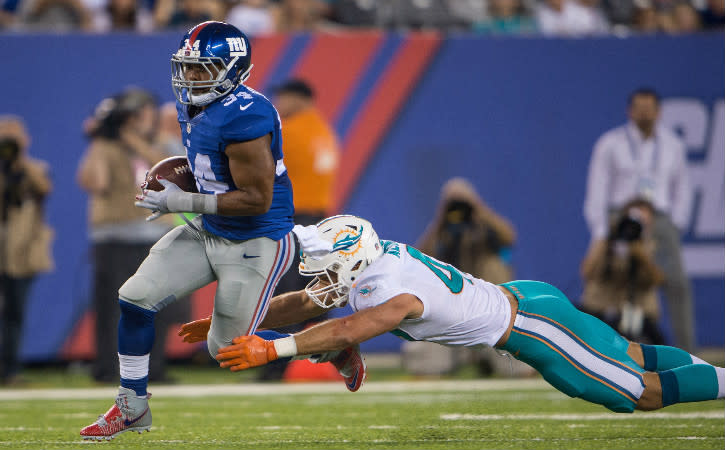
x: 402, y: 334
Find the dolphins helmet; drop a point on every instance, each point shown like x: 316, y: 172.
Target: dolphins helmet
x: 355, y: 245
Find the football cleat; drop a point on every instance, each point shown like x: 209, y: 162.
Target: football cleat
x: 351, y: 365
x: 129, y: 413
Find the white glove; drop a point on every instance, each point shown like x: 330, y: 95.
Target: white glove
x: 157, y: 201
x: 173, y: 199
x: 311, y: 243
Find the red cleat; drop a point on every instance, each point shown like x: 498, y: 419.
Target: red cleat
x: 129, y: 413
x: 351, y: 365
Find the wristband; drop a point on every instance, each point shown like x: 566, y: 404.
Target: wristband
x: 195, y: 203
x: 286, y: 346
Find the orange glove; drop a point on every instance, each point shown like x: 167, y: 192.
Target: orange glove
x: 247, y: 352
x: 195, y: 331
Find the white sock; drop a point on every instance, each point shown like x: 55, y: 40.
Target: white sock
x: 134, y: 367
x: 720, y: 371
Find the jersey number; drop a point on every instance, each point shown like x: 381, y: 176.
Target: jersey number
x: 448, y: 274
x: 205, y: 177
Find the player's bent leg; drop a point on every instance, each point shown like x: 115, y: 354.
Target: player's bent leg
x: 651, y: 397
x: 248, y: 273
x: 175, y: 266
x: 575, y: 352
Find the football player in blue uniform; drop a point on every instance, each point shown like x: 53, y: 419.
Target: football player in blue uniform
x: 242, y: 237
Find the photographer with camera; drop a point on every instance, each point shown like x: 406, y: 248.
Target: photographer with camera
x: 468, y: 234
x: 621, y: 277
x: 122, y: 133
x: 25, y: 238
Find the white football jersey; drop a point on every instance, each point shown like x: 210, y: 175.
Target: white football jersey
x: 459, y: 309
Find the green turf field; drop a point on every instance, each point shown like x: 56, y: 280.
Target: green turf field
x: 453, y: 414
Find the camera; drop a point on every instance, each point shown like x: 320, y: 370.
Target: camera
x: 628, y: 229
x: 9, y: 152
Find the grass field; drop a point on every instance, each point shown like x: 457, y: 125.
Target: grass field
x: 452, y: 414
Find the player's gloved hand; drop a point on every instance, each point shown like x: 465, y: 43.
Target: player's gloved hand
x: 311, y: 243
x: 247, y: 352
x: 158, y: 201
x: 195, y: 331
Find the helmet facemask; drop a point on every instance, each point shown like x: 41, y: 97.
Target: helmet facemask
x: 202, y: 92
x: 327, y: 289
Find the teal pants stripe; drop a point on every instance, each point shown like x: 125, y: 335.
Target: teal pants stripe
x: 576, y: 353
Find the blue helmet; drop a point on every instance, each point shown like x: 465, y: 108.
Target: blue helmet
x: 213, y: 58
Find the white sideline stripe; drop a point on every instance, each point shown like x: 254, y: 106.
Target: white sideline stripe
x: 249, y: 389
x: 715, y: 414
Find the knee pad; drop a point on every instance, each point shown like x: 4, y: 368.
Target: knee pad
x: 143, y: 291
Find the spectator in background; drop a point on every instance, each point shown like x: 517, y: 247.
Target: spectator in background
x: 253, y: 16
x: 642, y: 159
x: 184, y: 14
x: 25, y: 239
x: 55, y: 15
x: 312, y: 155
x: 111, y: 171
x: 299, y: 15
x: 8, y: 10
x: 621, y: 277
x: 713, y: 15
x: 169, y: 134
x: 468, y: 234
x: 645, y: 18
x: 569, y: 18
x: 505, y: 17
x: 685, y: 18
x: 121, y: 15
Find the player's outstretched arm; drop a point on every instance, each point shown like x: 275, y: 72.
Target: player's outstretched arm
x: 290, y: 308
x: 284, y: 309
x: 335, y: 334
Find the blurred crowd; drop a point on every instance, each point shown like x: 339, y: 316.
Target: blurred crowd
x: 547, y: 17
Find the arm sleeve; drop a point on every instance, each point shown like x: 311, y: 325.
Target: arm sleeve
x: 681, y: 190
x: 598, y: 182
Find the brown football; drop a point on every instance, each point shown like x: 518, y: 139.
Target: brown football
x: 175, y: 169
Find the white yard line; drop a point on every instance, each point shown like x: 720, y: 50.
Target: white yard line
x: 719, y: 414
x: 249, y: 389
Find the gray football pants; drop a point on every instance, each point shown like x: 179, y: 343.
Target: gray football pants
x: 186, y: 259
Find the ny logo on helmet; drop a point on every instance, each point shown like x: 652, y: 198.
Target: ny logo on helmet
x: 237, y: 46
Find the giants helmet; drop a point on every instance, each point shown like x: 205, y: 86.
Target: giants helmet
x: 355, y: 245
x: 217, y: 49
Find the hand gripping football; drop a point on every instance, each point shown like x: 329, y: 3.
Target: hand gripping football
x: 175, y: 169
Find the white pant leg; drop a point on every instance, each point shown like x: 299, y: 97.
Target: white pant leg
x: 176, y: 266
x: 248, y: 273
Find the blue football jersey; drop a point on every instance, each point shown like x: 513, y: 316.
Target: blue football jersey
x: 243, y: 115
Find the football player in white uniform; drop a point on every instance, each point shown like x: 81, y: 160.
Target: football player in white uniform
x: 394, y: 287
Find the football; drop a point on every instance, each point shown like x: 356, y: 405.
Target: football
x: 175, y: 169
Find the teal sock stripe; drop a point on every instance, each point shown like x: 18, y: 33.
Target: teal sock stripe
x: 649, y: 352
x: 670, y: 388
